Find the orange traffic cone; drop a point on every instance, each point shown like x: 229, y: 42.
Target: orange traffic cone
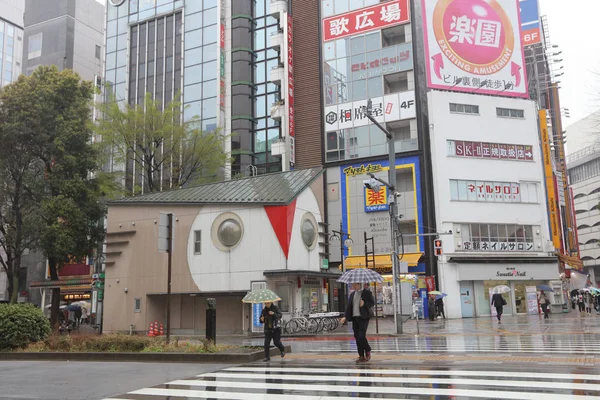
x: 151, y: 330
x: 161, y: 330
x: 155, y: 328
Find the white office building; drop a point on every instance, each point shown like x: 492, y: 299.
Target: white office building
x: 490, y: 194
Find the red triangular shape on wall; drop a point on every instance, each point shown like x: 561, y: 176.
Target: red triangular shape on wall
x: 282, y: 220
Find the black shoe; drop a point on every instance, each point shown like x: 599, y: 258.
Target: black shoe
x: 266, y: 360
x: 282, y: 353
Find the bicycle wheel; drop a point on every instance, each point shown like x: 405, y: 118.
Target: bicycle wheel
x: 313, y: 326
x: 293, y: 326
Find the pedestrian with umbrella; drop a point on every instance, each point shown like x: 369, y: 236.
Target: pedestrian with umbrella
x: 439, y: 304
x: 270, y: 317
x: 498, y: 301
x: 360, y: 308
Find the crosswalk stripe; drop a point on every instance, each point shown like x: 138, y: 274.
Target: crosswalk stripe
x: 344, y: 389
x: 506, y: 374
x: 412, y: 380
x: 491, y: 350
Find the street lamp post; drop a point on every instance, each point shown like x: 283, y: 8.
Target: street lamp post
x: 391, y: 184
x: 348, y: 242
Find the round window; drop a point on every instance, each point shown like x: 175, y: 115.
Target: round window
x: 230, y: 232
x: 308, y: 230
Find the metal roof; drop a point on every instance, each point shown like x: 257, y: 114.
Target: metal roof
x: 271, y: 189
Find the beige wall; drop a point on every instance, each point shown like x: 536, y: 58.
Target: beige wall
x: 140, y: 267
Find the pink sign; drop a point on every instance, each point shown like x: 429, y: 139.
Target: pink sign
x: 474, y: 46
x: 291, y: 113
x: 365, y: 20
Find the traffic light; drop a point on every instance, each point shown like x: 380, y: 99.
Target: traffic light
x: 437, y: 246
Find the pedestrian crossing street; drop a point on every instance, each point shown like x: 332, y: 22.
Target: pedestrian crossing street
x: 285, y: 382
x: 547, y: 345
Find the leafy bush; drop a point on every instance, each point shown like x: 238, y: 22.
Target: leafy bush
x: 21, y: 324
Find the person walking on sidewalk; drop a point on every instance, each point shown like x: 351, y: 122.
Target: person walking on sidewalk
x: 359, y: 311
x: 271, y: 318
x: 439, y: 305
x: 545, y: 303
x: 498, y: 302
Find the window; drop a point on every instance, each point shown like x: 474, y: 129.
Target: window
x: 197, y: 242
x: 509, y: 113
x: 137, y: 305
x: 35, y: 46
x: 98, y: 52
x: 464, y: 108
x: 283, y: 290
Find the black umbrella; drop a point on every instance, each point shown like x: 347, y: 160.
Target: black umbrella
x: 74, y: 307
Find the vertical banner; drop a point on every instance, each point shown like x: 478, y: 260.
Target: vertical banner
x: 530, y: 22
x: 549, y: 174
x: 474, y: 46
x: 257, y: 308
x: 290, y: 92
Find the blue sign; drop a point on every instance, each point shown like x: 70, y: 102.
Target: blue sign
x: 376, y: 201
x: 530, y: 22
x: 256, y: 311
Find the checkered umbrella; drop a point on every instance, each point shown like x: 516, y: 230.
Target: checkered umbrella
x: 261, y: 296
x: 360, y: 275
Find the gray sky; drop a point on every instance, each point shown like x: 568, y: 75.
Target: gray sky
x: 572, y: 25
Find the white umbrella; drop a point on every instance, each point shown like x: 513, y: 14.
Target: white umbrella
x: 500, y: 289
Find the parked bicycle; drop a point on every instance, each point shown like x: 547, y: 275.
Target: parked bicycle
x: 312, y: 323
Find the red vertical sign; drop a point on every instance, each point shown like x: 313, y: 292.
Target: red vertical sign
x: 430, y: 281
x: 291, y: 113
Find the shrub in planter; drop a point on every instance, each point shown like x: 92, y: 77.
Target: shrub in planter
x: 21, y: 324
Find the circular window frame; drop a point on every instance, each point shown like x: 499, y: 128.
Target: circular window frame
x: 117, y: 3
x: 214, y: 230
x: 310, y: 217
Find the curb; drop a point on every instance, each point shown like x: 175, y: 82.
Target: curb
x: 229, y: 358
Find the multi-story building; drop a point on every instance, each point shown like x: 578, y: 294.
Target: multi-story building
x: 583, y: 162
x: 490, y: 199
x: 367, y: 54
x: 65, y: 33
x: 232, y: 62
x: 11, y: 49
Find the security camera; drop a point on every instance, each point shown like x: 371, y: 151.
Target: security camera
x: 126, y: 290
x: 372, y: 184
x: 450, y: 231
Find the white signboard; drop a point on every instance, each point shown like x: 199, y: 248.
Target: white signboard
x: 393, y: 107
x: 474, y: 46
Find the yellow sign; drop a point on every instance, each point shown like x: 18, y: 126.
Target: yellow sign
x: 550, y: 192
x: 376, y: 201
x: 363, y: 169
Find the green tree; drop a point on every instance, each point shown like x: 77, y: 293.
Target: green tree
x: 167, y: 153
x: 55, y: 114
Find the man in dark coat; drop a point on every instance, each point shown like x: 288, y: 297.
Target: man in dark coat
x: 498, y: 302
x: 271, y: 318
x: 359, y: 311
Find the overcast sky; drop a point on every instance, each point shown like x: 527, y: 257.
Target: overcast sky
x: 573, y: 26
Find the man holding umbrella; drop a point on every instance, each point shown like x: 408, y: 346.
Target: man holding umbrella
x: 360, y: 308
x: 270, y: 317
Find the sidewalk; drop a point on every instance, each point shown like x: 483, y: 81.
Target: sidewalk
x: 528, y: 325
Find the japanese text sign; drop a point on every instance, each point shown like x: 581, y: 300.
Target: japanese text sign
x: 474, y: 46
x: 290, y: 91
x: 376, y: 201
x: 393, y: 107
x: 530, y: 22
x: 365, y: 20
x: 496, y: 246
x: 497, y: 192
x: 494, y: 151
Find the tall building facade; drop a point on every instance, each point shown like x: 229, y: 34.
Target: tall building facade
x: 65, y: 33
x: 233, y: 64
x: 11, y: 40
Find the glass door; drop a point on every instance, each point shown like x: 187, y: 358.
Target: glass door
x: 520, y: 298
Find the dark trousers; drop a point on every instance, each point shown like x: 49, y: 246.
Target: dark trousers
x: 440, y: 310
x: 275, y: 335
x: 360, y: 326
x: 499, y: 313
x: 545, y: 310
x: 581, y: 307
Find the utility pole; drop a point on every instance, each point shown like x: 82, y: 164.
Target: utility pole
x: 169, y: 264
x: 393, y: 225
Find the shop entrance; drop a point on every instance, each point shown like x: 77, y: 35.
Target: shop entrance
x: 526, y: 297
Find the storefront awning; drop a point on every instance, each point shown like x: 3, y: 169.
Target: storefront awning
x: 574, y: 262
x: 311, y: 274
x: 69, y: 284
x: 382, y: 261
